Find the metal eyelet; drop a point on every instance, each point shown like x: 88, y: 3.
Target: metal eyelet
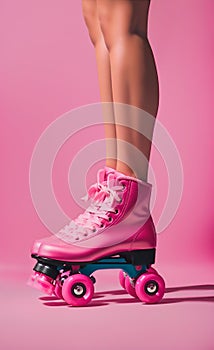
x: 102, y: 225
x: 124, y: 187
x: 110, y: 219
x: 116, y: 211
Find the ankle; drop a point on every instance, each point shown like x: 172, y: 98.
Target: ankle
x: 125, y: 169
x: 111, y: 163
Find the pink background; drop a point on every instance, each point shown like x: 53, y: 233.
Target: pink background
x: 47, y: 68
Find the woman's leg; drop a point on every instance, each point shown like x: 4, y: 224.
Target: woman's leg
x: 90, y: 13
x: 134, y: 75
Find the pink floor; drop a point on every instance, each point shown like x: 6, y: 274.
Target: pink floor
x: 182, y: 321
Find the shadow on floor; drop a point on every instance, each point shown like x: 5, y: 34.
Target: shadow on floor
x: 197, y: 287
x: 124, y: 298
x: 181, y: 299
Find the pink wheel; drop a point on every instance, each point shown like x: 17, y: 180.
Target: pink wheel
x: 129, y: 286
x: 58, y: 291
x: 150, y: 288
x: 45, y: 284
x: 78, y: 290
x: 59, y: 282
x: 122, y: 278
x: 42, y: 282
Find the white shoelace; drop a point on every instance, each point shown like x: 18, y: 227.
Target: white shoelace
x: 91, y: 220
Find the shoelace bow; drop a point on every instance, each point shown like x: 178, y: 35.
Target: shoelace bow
x: 102, y: 197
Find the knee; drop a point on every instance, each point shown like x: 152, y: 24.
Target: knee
x: 89, y: 11
x: 121, y: 20
x: 108, y: 29
x: 115, y: 30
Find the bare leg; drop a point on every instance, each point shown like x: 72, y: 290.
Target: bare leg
x: 133, y: 71
x: 90, y: 14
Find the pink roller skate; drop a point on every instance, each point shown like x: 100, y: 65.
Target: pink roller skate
x: 116, y: 231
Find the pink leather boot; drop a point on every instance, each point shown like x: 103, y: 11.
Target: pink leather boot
x: 116, y: 231
x: 118, y: 220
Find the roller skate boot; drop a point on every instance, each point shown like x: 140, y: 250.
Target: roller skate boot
x: 116, y: 231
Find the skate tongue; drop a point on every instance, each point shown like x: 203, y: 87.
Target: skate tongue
x: 107, y: 185
x: 109, y: 170
x: 111, y: 179
x: 102, y: 174
x: 114, y: 172
x: 102, y: 177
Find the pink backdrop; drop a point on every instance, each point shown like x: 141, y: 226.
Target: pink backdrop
x: 48, y: 68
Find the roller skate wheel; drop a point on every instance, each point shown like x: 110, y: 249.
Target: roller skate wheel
x: 150, y: 288
x: 130, y: 288
x: 46, y: 285
x: 42, y: 283
x: 78, y: 290
x: 59, y: 283
x: 58, y: 291
x: 122, y: 278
